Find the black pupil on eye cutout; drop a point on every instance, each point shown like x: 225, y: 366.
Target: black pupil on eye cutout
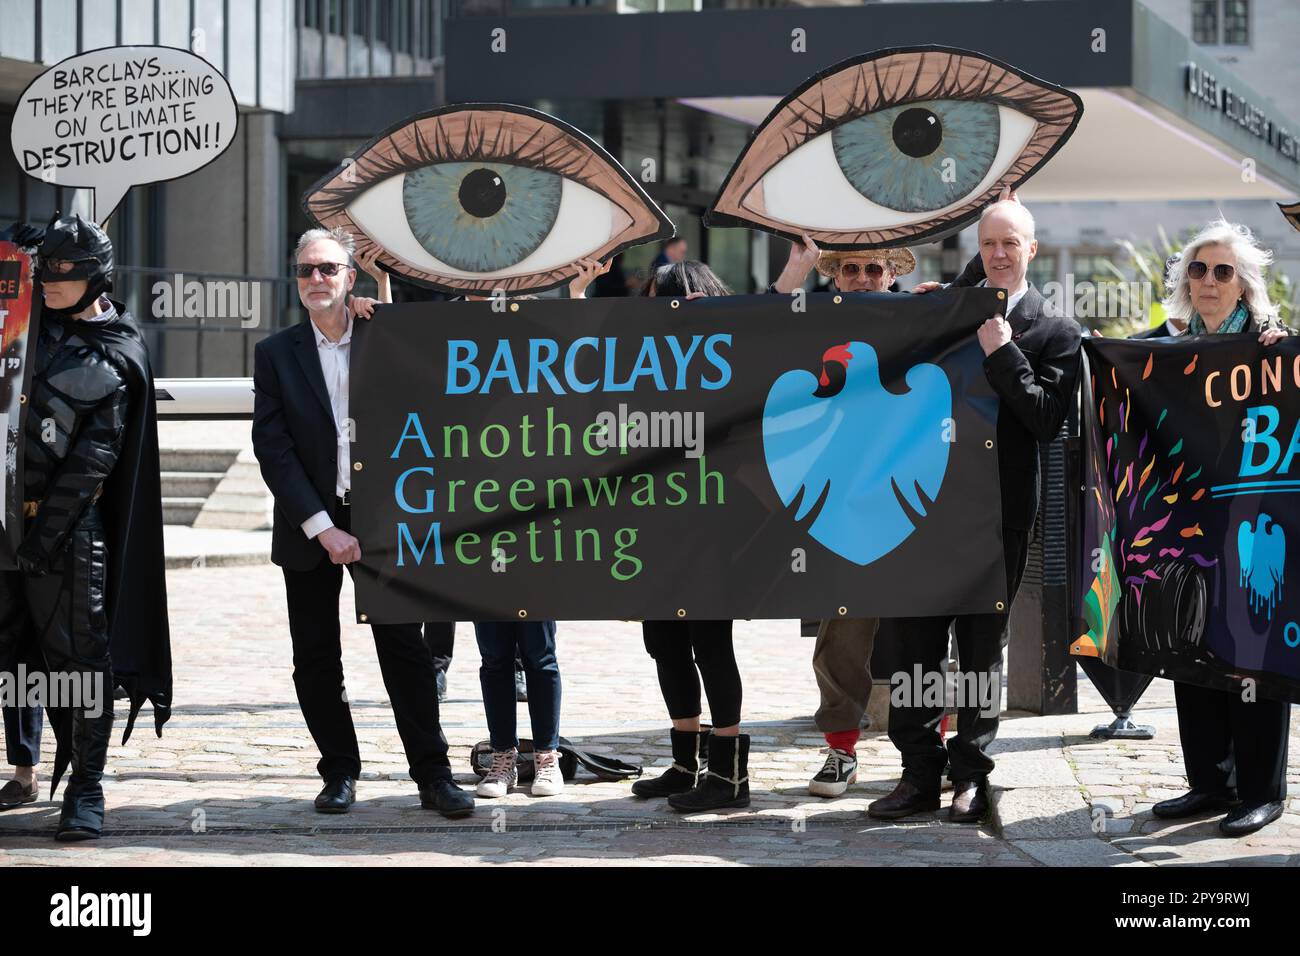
x: 482, y: 193
x: 917, y: 132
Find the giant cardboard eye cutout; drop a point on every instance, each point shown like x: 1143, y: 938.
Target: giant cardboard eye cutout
x: 894, y: 147
x: 1292, y: 213
x: 474, y: 197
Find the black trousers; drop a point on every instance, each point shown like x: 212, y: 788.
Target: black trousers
x: 922, y: 643
x: 24, y: 725
x: 313, y: 598
x: 1228, y: 741
x: 679, y: 647
x: 440, y: 639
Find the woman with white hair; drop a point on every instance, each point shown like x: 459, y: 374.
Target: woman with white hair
x: 1217, y: 287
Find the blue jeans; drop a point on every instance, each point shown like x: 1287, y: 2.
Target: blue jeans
x: 535, y: 640
x: 23, y: 736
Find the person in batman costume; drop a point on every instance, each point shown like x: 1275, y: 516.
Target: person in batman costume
x: 89, y: 590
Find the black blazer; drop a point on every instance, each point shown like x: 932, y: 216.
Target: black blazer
x: 295, y: 441
x: 1035, y: 375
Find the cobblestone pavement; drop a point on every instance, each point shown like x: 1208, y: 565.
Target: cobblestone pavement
x: 231, y: 781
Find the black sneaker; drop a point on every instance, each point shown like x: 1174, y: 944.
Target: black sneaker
x: 840, y: 770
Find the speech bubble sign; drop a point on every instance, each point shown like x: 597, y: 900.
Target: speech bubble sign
x: 118, y: 117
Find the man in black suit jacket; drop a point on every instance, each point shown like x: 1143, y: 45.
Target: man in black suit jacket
x: 302, y: 439
x: 1032, y: 362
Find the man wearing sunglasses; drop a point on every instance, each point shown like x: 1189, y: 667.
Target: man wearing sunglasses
x: 89, y: 591
x: 302, y: 438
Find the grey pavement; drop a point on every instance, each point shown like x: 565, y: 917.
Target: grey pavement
x: 232, y: 778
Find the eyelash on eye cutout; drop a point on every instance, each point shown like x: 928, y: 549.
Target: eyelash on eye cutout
x: 869, y: 97
x: 566, y: 158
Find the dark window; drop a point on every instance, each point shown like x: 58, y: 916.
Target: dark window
x: 1205, y: 21
x: 335, y: 24
x: 360, y: 17
x: 1236, y: 22
x: 311, y: 14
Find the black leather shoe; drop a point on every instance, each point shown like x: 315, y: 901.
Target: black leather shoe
x: 448, y: 799
x: 970, y: 801
x: 338, y: 795
x: 1250, y: 817
x: 906, y: 800
x: 1193, y: 802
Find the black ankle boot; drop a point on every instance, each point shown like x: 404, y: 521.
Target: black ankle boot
x: 725, y: 783
x: 690, y: 753
x: 83, y: 798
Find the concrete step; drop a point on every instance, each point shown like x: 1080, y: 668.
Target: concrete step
x: 241, y: 501
x: 181, y: 510
x: 190, y: 484
x: 198, y: 459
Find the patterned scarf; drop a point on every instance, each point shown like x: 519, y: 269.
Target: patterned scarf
x: 1233, y: 323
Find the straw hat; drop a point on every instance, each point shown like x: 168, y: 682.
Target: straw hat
x: 900, y: 260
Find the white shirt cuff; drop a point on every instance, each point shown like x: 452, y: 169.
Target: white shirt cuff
x: 317, y: 523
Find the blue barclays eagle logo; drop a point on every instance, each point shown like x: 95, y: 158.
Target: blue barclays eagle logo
x: 866, y: 463
x: 1261, y: 555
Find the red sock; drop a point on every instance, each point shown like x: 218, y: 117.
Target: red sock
x: 846, y: 740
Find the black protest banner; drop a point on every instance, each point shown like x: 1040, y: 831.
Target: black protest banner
x: 19, y: 310
x: 738, y: 457
x: 1192, y: 463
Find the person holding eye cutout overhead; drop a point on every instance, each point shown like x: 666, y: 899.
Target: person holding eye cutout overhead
x: 1234, y: 750
x: 1032, y: 362
x: 710, y: 769
x: 301, y: 441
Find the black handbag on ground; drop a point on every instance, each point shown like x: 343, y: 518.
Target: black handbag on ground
x: 605, y: 768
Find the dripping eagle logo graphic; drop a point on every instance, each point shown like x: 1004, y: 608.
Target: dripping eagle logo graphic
x: 865, y: 463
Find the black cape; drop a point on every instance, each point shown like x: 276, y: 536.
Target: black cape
x: 131, y: 508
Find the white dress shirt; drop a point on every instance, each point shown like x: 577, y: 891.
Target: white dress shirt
x: 334, y: 364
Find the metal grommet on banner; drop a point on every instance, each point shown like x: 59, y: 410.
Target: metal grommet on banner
x: 681, y: 612
x: 838, y: 299
x: 356, y: 466
x: 1000, y: 606
x: 988, y: 443
x: 1001, y: 294
x: 362, y: 618
x: 843, y: 611
x: 674, y: 303
x: 22, y: 399
x: 522, y: 614
x: 514, y: 306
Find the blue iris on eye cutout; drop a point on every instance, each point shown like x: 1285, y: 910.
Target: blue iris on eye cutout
x: 896, y: 157
x: 480, y: 217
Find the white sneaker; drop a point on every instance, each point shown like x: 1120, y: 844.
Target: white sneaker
x: 501, y: 776
x: 547, y: 779
x: 840, y: 770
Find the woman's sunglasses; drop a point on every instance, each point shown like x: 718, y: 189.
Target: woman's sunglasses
x: 1222, y: 272
x: 303, y: 270
x: 850, y: 270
